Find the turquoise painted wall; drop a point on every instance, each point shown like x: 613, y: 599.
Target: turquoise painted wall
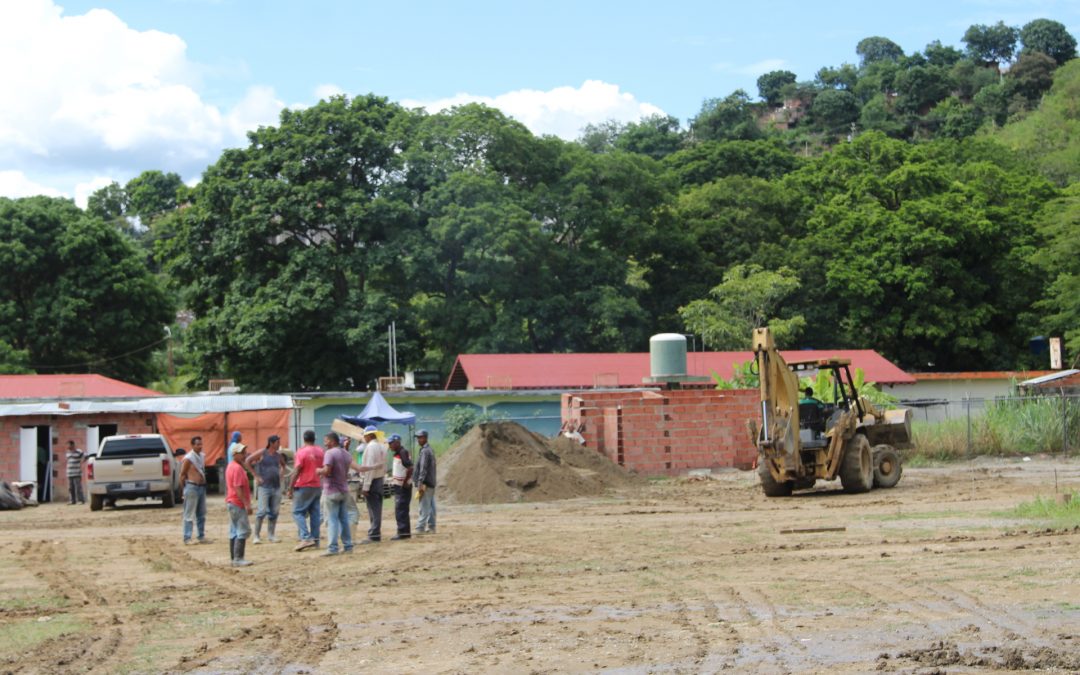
x: 541, y: 415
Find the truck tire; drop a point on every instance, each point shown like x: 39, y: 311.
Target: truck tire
x: 887, y: 467
x: 168, y: 499
x: 96, y: 502
x: 857, y: 465
x: 769, y: 485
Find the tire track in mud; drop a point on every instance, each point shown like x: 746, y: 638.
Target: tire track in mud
x: 294, y: 633
x: 93, y: 653
x: 762, y: 635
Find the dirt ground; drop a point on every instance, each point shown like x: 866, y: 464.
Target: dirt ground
x: 671, y: 576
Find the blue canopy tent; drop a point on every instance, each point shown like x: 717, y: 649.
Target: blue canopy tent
x: 378, y: 411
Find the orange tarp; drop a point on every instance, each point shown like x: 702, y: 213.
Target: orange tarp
x: 255, y: 426
x: 179, y: 430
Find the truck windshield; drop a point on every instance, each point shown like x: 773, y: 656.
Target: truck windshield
x: 133, y: 447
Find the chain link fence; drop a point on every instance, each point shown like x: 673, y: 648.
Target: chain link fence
x: 1003, y: 425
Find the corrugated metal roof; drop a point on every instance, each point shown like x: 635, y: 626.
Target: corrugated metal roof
x: 1052, y: 377
x: 68, y: 387
x: 177, y: 405
x: 586, y: 371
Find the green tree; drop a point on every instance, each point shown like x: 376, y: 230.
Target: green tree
x: 992, y: 45
x: 834, y: 110
x: 1050, y: 38
x: 1031, y: 76
x: 921, y: 87
x: 1050, y: 137
x: 749, y: 297
x: 844, y: 77
x: 729, y: 118
x: 945, y: 56
x: 873, y: 49
x: 711, y: 160
x: 1059, y: 223
x: 771, y: 86
x: 74, y: 294
x: 288, y: 253
x: 655, y: 136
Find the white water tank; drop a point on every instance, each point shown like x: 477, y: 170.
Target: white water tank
x: 667, y: 355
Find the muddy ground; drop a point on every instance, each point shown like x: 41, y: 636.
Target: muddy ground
x: 935, y: 575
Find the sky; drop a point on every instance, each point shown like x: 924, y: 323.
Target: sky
x: 94, y: 91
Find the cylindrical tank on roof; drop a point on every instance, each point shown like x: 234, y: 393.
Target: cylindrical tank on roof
x: 667, y: 355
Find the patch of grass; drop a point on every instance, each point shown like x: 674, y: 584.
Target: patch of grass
x: 21, y: 636
x: 1005, y: 427
x: 161, y: 565
x: 25, y: 600
x: 1055, y: 512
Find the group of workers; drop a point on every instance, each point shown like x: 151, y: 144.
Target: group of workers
x: 324, y: 481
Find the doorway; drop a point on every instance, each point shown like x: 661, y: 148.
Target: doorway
x: 35, y: 459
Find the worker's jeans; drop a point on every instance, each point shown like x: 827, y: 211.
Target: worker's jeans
x: 75, y: 489
x: 194, y: 509
x: 426, y: 520
x: 269, y: 503
x: 337, y: 521
x: 305, y: 508
x: 239, y: 525
x: 374, y: 509
x: 402, y: 496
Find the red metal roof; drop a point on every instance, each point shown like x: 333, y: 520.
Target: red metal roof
x: 586, y: 371
x: 68, y: 386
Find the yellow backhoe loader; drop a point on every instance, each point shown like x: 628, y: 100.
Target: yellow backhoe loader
x: 801, y: 443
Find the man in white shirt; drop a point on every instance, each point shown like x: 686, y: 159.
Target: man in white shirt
x: 373, y: 466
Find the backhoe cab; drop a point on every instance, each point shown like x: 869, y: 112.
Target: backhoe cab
x: 847, y: 437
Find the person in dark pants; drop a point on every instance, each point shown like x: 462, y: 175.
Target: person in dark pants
x: 400, y: 483
x: 373, y: 466
x: 75, y: 458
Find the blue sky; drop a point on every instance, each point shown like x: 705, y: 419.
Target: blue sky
x: 107, y: 88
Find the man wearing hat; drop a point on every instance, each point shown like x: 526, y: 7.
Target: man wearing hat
x: 424, y: 480
x: 373, y: 467
x: 238, y: 501
x: 400, y: 474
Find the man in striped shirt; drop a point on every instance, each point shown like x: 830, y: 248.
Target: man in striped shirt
x: 75, y: 459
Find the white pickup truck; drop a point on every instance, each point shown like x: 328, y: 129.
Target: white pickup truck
x: 130, y: 467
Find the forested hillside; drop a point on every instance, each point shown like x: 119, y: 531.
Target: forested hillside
x: 923, y: 204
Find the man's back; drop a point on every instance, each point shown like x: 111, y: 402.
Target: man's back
x: 309, y: 459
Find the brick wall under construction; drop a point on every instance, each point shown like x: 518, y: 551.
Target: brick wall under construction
x: 666, y: 432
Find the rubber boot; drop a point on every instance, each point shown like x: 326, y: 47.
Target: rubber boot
x: 241, y: 544
x: 258, y: 531
x: 270, y: 527
x: 232, y: 551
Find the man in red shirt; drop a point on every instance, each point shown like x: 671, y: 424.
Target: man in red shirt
x: 238, y: 501
x: 306, y: 492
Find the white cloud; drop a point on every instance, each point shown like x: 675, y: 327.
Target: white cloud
x: 85, y: 95
x: 15, y: 184
x: 325, y: 91
x: 85, y: 189
x: 562, y: 111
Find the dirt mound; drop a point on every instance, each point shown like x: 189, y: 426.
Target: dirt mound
x: 500, y: 462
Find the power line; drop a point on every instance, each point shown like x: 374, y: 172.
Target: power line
x: 101, y: 360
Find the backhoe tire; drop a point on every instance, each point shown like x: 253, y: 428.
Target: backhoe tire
x: 769, y: 485
x: 857, y: 465
x: 168, y: 499
x: 887, y: 468
x: 96, y: 502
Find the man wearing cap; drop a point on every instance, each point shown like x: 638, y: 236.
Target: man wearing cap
x: 306, y: 491
x: 373, y: 468
x: 424, y: 480
x: 267, y: 465
x: 238, y: 501
x: 400, y: 474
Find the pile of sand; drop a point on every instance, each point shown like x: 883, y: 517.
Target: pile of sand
x: 500, y: 462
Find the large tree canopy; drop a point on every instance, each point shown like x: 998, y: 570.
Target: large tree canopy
x: 75, y: 296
